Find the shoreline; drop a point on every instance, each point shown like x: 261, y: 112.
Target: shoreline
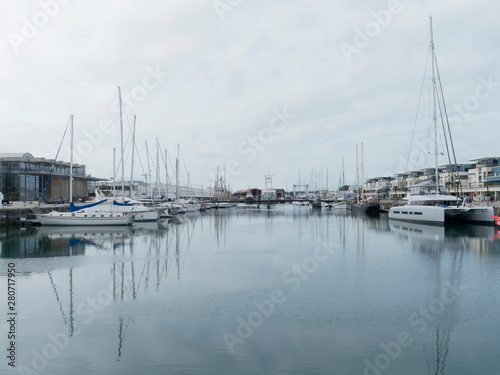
x: 26, y: 210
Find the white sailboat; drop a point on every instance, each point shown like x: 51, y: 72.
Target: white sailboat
x: 81, y: 217
x: 123, y: 205
x: 341, y: 203
x: 428, y: 202
x: 179, y: 206
x: 84, y: 218
x: 139, y: 211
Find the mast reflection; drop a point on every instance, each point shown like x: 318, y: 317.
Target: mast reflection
x: 446, y: 247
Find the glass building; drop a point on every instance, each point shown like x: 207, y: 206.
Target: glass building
x: 23, y: 177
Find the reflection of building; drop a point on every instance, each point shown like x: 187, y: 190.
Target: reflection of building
x: 23, y: 177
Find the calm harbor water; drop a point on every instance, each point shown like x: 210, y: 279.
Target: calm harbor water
x: 282, y: 291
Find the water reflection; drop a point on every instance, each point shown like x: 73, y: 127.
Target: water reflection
x: 447, y: 247
x: 321, y: 225
x: 179, y: 284
x: 480, y: 239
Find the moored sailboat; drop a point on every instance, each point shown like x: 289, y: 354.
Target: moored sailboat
x: 361, y: 205
x: 85, y: 219
x: 429, y: 202
x: 80, y: 217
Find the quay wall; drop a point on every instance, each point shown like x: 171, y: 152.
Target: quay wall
x: 20, y: 210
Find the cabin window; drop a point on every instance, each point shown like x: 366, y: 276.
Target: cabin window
x: 404, y: 212
x: 417, y: 213
x: 397, y: 212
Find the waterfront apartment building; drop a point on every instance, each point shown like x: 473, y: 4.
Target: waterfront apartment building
x: 478, y: 179
x: 23, y: 178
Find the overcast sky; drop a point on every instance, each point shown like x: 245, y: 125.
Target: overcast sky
x: 258, y: 86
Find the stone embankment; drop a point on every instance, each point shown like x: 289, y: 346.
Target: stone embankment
x: 26, y: 210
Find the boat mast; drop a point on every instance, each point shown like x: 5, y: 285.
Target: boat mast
x: 343, y: 179
x: 357, y: 173
x: 166, y: 174
x: 132, y: 163
x: 158, y: 165
x: 177, y: 174
x: 121, y: 137
x: 434, y: 114
x: 148, y: 174
x: 71, y: 165
x: 458, y: 188
x: 327, y: 191
x: 217, y: 184
x: 114, y: 173
x: 362, y: 172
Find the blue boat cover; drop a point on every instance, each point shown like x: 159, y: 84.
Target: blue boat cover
x: 122, y: 204
x: 73, y: 208
x: 75, y: 241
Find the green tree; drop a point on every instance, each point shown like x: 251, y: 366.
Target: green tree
x: 487, y: 185
x: 395, y: 189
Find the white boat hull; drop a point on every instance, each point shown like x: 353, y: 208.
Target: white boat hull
x: 140, y: 212
x: 152, y: 215
x: 223, y: 205
x: 422, y: 214
x: 474, y: 214
x: 65, y: 219
x: 341, y: 206
x: 300, y: 203
x: 442, y: 215
x: 192, y: 208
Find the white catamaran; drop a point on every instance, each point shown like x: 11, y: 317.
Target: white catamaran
x: 428, y: 202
